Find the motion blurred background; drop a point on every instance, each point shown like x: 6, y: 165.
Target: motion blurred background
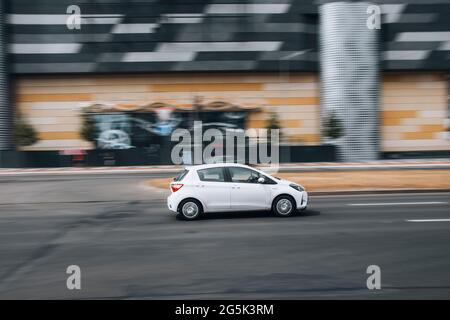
x: 92, y: 91
x: 106, y: 82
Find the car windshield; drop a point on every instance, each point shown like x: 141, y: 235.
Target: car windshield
x: 181, y: 175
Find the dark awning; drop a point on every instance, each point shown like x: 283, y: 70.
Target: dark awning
x: 222, y: 106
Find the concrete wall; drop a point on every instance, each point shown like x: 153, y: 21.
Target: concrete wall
x: 53, y: 103
x: 414, y: 109
x: 413, y: 105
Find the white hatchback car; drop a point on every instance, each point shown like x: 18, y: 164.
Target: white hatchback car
x: 232, y: 187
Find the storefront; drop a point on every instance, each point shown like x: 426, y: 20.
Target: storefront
x: 137, y: 70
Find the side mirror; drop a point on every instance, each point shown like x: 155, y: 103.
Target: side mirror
x: 261, y: 180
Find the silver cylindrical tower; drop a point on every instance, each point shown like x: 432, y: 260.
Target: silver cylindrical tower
x: 349, y: 76
x: 5, y: 107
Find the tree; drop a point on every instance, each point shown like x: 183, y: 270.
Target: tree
x: 88, y: 130
x: 332, y: 127
x: 272, y: 124
x: 24, y: 133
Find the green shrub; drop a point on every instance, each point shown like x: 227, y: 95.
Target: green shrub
x: 24, y: 133
x: 332, y: 127
x: 88, y: 130
x: 272, y: 124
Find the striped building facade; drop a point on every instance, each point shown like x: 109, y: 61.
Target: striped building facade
x: 258, y: 53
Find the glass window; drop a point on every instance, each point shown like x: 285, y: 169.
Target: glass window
x: 211, y: 174
x: 181, y: 175
x: 244, y: 175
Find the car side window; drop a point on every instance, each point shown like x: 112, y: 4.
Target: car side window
x: 243, y: 175
x: 211, y: 175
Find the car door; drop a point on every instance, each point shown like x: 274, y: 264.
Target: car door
x: 246, y: 192
x: 212, y: 189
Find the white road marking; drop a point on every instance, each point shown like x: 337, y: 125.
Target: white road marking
x: 392, y: 194
x: 395, y: 203
x: 429, y: 220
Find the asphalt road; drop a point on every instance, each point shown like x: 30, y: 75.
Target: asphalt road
x: 128, y: 245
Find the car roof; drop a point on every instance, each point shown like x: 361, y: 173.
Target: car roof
x: 216, y: 165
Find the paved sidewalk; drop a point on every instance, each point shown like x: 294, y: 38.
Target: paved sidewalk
x: 284, y: 167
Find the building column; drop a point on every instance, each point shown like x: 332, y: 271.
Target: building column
x: 6, y: 118
x: 349, y: 58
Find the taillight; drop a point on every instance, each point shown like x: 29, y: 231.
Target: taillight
x: 176, y: 186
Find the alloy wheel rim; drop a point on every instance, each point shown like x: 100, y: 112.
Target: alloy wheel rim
x: 284, y: 206
x: 190, y: 209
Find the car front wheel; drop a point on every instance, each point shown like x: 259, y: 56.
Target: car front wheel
x: 283, y: 206
x: 190, y: 209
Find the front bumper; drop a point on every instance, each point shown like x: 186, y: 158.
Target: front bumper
x: 303, y: 203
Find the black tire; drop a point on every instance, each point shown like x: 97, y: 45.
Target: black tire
x: 190, y: 209
x: 284, y: 206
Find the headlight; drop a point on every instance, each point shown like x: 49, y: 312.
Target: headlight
x: 297, y: 187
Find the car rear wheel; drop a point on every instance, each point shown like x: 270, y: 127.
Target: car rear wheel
x: 190, y: 209
x: 283, y: 206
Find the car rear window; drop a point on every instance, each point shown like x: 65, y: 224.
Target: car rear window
x: 181, y: 175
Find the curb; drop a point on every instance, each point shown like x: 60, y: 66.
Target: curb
x: 174, y: 169
x: 364, y: 168
x: 383, y: 191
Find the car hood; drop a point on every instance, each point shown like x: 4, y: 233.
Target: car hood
x: 287, y: 183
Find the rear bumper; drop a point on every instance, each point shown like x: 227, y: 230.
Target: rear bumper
x: 172, y: 202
